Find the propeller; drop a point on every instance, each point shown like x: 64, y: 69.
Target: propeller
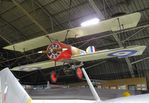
x: 53, y: 50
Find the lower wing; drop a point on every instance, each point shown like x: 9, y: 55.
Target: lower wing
x: 110, y: 53
x: 103, y: 54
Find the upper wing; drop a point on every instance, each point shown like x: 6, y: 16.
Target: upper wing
x: 11, y: 89
x: 103, y: 54
x: 128, y: 21
x: 109, y: 53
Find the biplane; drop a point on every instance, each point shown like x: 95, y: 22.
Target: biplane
x: 60, y: 53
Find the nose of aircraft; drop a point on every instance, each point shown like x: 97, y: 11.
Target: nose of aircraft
x: 58, y: 51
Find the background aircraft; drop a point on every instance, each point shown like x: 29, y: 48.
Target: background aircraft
x: 12, y: 92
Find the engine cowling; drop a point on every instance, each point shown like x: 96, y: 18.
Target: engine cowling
x: 58, y: 51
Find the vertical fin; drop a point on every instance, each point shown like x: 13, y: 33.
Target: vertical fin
x: 90, y: 49
x: 12, y: 91
x: 97, y: 98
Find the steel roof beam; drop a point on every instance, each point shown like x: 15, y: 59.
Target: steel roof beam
x: 6, y: 40
x: 49, y: 15
x: 96, y: 9
x: 67, y: 9
x: 28, y: 12
x: 30, y: 17
x: 140, y: 60
x: 128, y: 38
x: 13, y: 27
x: 114, y: 43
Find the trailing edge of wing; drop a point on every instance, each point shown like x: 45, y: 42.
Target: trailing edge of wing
x: 103, y: 54
x: 37, y: 66
x: 127, y: 21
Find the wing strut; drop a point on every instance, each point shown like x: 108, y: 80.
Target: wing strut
x: 97, y: 98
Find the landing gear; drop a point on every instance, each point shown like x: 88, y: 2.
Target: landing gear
x: 70, y: 71
x: 53, y: 77
x: 79, y: 73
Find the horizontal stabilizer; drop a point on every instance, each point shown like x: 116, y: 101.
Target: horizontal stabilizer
x: 127, y: 21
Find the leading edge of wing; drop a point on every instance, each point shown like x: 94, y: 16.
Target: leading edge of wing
x: 127, y: 21
x: 36, y: 66
x: 110, y: 53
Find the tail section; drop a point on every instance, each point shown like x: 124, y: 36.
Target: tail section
x: 11, y: 90
x: 90, y: 49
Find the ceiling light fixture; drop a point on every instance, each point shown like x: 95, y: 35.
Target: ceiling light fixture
x: 90, y: 22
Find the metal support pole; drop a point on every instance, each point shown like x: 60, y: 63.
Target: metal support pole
x: 97, y: 98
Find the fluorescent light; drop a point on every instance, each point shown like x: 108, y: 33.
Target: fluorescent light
x: 90, y: 22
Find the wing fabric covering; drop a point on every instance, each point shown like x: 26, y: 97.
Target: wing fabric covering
x: 12, y: 91
x: 102, y: 54
x: 37, y: 66
x: 113, y: 24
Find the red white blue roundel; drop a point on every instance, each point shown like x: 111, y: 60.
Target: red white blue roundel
x: 122, y: 53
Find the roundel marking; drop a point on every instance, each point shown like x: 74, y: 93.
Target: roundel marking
x: 122, y: 53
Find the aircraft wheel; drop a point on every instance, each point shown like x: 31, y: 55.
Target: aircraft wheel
x: 79, y: 73
x: 53, y: 77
